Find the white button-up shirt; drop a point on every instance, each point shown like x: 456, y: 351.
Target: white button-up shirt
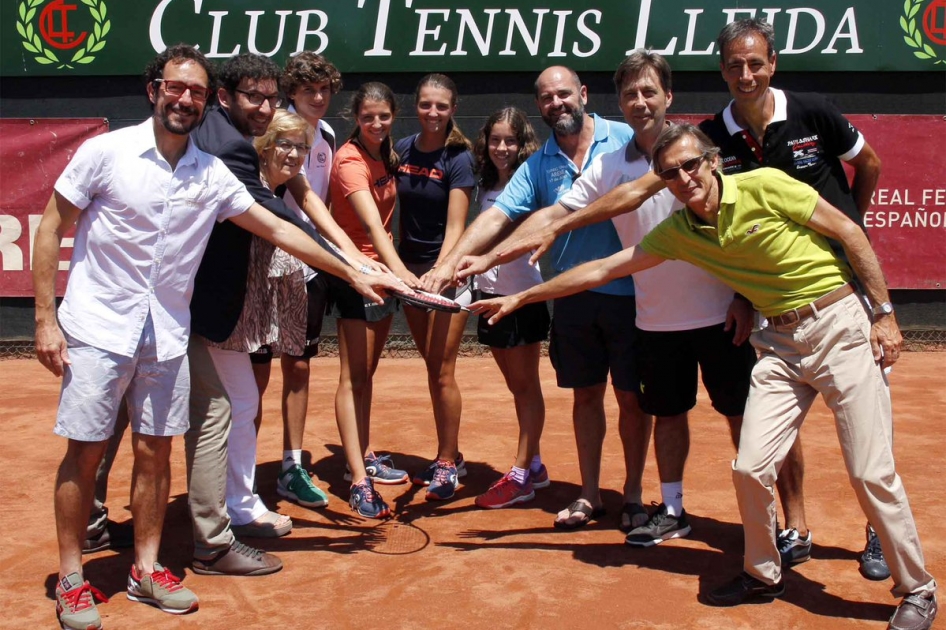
x: 140, y: 238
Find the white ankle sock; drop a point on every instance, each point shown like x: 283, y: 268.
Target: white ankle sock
x: 291, y: 458
x: 519, y: 474
x: 672, y: 495
x: 536, y: 464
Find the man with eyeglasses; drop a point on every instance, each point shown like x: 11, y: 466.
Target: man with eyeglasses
x: 221, y: 441
x: 804, y: 135
x: 765, y: 235
x: 591, y: 335
x: 123, y: 326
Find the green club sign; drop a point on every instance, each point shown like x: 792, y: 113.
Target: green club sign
x: 45, y: 31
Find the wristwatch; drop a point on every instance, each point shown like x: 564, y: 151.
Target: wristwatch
x: 883, y: 309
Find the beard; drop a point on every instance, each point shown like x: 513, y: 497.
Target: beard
x: 569, y: 123
x: 176, y: 126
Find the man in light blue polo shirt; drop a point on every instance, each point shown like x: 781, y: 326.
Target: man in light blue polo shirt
x: 592, y: 332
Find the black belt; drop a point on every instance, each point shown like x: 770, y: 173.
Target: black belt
x: 796, y: 315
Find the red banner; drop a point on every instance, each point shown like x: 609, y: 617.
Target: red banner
x: 33, y: 153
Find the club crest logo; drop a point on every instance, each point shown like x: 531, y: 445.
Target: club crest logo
x: 924, y: 22
x: 51, y: 30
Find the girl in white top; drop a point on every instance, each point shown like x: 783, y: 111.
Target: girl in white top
x: 506, y: 141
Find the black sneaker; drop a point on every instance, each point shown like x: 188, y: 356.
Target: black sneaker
x: 114, y: 536
x: 792, y: 547
x: 742, y: 588
x: 873, y: 566
x: 660, y: 527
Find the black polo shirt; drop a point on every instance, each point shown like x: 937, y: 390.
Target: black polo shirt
x: 807, y: 138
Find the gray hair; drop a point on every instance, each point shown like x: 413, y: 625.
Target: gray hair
x: 675, y: 132
x: 742, y: 28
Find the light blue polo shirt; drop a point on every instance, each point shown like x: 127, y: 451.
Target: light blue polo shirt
x: 545, y: 177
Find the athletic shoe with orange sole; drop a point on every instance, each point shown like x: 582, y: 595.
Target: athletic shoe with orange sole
x: 505, y: 492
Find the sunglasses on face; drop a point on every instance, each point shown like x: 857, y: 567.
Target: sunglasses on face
x: 286, y: 146
x: 690, y: 167
x: 257, y: 98
x: 177, y: 88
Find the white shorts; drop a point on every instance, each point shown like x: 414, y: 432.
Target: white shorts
x: 157, y: 392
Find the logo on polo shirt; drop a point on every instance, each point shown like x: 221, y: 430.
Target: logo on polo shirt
x: 321, y: 157
x: 805, y: 151
x: 925, y: 18
x: 52, y: 30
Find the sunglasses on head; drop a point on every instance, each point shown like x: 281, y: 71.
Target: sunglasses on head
x: 690, y: 167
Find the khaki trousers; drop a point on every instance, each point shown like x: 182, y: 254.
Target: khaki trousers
x: 828, y: 354
x: 205, y: 446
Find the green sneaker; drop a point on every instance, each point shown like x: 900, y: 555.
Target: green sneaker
x: 75, y: 606
x: 161, y: 589
x: 296, y: 485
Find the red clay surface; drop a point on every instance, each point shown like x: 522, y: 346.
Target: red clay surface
x: 453, y: 564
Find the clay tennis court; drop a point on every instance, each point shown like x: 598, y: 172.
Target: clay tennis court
x: 453, y: 565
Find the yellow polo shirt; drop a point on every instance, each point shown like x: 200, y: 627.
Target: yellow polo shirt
x: 760, y: 246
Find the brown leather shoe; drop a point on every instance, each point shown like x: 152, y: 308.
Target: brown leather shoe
x: 239, y: 559
x: 915, y: 612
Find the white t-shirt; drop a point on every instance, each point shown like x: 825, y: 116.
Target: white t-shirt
x: 512, y: 277
x: 674, y: 295
x: 140, y: 237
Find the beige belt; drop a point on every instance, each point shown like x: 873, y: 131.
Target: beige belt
x: 797, y: 315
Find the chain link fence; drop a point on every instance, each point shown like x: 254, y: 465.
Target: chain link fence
x: 402, y: 346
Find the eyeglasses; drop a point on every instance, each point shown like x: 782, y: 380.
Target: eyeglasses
x: 689, y: 166
x: 257, y: 98
x: 177, y: 88
x: 286, y: 146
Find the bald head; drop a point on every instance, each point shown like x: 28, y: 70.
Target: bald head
x: 556, y: 74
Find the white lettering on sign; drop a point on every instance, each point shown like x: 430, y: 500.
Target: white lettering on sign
x: 13, y: 254
x: 845, y: 30
x: 532, y: 32
x: 903, y: 208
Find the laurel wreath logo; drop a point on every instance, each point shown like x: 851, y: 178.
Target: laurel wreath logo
x: 84, y: 55
x: 913, y: 35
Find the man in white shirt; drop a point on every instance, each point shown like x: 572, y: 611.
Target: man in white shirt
x: 144, y: 201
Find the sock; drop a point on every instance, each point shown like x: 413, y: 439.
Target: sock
x: 291, y: 458
x: 519, y: 474
x: 672, y: 495
x: 536, y: 464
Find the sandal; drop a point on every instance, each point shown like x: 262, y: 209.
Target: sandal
x: 269, y: 525
x: 579, y: 507
x: 633, y: 515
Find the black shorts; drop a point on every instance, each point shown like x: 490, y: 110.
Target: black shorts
x: 316, y: 293
x: 668, y: 370
x: 529, y: 324
x: 592, y: 335
x: 346, y: 303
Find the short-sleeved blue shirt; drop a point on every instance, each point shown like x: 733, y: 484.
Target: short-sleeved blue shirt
x: 545, y: 177
x: 424, y: 182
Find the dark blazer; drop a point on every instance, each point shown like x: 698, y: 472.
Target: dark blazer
x: 220, y: 285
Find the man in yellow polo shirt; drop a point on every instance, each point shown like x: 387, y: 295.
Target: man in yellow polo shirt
x: 764, y: 234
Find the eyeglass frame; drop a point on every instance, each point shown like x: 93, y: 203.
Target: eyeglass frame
x: 256, y: 98
x: 670, y: 174
x: 288, y: 145
x: 187, y: 88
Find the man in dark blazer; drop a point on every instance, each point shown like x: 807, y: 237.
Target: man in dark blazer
x: 248, y: 97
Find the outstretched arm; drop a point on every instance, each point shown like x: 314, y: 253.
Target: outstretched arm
x: 581, y: 278
x: 486, y: 227
x: 291, y: 239
x: 624, y: 198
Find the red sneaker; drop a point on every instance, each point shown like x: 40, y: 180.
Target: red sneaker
x: 506, y: 492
